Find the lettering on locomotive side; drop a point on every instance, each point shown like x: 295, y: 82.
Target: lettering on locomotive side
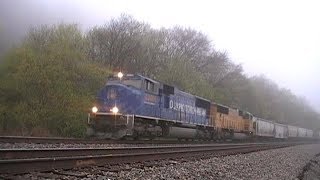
x: 187, y: 108
x: 148, y: 98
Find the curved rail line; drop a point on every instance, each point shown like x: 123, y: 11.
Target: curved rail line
x: 15, y: 161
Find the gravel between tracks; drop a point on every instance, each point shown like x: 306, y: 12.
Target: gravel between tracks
x: 312, y: 169
x: 76, y: 145
x: 58, y: 145
x: 285, y: 163
x: 82, y: 145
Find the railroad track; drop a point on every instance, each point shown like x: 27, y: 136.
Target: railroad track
x: 61, y: 140
x: 15, y: 161
x: 55, y: 140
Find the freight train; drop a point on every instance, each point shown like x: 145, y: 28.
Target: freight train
x: 135, y: 106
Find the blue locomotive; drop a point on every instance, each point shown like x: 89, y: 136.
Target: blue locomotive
x: 137, y: 106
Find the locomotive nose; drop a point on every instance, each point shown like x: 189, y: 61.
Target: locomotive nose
x: 111, y: 93
x: 111, y: 99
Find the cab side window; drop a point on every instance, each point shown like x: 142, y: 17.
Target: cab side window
x: 149, y: 85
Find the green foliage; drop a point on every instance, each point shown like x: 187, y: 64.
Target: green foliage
x: 49, y: 84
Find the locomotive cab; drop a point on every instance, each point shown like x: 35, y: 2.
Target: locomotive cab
x: 119, y: 96
x: 118, y: 101
x: 114, y: 106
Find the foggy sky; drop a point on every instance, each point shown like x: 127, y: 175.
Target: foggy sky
x: 280, y: 39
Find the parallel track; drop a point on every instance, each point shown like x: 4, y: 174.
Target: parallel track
x: 15, y: 161
x: 55, y: 140
x: 61, y: 152
x: 61, y: 140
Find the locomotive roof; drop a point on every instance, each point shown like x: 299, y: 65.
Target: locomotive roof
x: 202, y: 98
x: 149, y: 79
x: 220, y: 104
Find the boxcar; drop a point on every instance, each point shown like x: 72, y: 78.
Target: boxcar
x: 281, y: 130
x: 264, y: 127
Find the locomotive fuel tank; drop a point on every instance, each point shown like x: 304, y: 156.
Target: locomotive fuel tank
x: 179, y: 132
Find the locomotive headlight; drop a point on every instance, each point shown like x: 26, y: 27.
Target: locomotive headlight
x: 114, y: 110
x: 94, y: 109
x: 120, y: 75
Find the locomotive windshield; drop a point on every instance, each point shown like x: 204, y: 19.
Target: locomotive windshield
x: 129, y: 80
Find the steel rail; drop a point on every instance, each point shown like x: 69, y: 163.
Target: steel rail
x: 16, y: 166
x: 61, y: 152
x: 55, y: 140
